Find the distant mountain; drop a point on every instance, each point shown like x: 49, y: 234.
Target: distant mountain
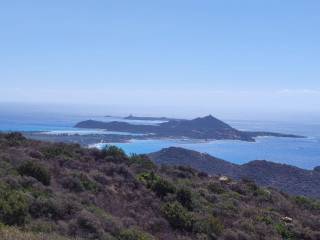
x: 200, y: 161
x: 207, y: 127
x: 288, y: 178
x: 132, y: 117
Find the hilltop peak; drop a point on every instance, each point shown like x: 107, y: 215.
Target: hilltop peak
x: 207, y: 118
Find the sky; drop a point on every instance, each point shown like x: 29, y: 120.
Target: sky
x: 235, y: 59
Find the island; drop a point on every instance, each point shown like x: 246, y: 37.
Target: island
x: 207, y: 128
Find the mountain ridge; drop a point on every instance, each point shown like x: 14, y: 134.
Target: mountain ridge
x: 285, y: 177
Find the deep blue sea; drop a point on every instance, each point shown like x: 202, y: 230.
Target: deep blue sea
x: 303, y: 153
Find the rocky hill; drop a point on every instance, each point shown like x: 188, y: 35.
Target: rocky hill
x: 56, y: 191
x: 287, y: 178
x: 207, y: 127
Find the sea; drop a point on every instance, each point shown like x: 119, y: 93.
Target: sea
x: 300, y: 152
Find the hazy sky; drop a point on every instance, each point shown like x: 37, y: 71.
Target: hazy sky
x: 231, y: 58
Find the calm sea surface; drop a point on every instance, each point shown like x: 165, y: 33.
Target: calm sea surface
x: 304, y: 153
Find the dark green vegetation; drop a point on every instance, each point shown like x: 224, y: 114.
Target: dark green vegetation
x: 207, y: 127
x: 59, y: 191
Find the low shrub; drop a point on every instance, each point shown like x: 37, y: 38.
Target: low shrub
x: 148, y: 178
x: 184, y: 196
x: 162, y: 187
x: 178, y: 216
x: 12, y: 233
x: 110, y: 223
x: 211, y: 226
x: 43, y: 207
x: 216, y: 187
x: 157, y: 184
x: 41, y: 226
x: 14, y: 206
x: 79, y: 183
x: 265, y: 218
x: 113, y: 151
x: 35, y: 170
x: 57, y: 150
x: 307, y: 203
x: 89, y: 225
x: 134, y: 234
x: 284, y: 231
x: 14, y: 138
x: 142, y: 161
x: 87, y: 183
x: 263, y: 194
x: 73, y: 183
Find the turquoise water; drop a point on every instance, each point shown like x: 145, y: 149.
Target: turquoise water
x: 304, y: 153
x: 300, y: 152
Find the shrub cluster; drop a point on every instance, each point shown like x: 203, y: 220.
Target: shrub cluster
x: 178, y: 216
x: 35, y: 170
x: 134, y: 234
x: 113, y: 151
x: 159, y: 185
x: 106, y: 195
x: 14, y: 206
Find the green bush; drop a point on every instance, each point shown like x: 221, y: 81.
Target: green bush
x: 210, y: 226
x: 142, y: 161
x: 134, y: 234
x: 80, y: 182
x: 216, y: 187
x: 264, y: 218
x: 87, y: 183
x: 59, y: 149
x: 307, y: 203
x: 162, y: 187
x: 14, y: 206
x: 285, y: 233
x: 184, y: 197
x: 51, y: 208
x: 113, y: 151
x: 178, y: 216
x: 35, y: 170
x: 157, y: 184
x: 148, y: 178
x: 263, y: 194
x: 14, y: 138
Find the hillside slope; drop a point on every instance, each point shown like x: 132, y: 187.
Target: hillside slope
x: 293, y: 180
x: 60, y: 191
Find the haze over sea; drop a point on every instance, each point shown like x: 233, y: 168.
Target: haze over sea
x: 303, y: 153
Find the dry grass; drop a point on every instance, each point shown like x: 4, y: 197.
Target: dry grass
x: 10, y: 233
